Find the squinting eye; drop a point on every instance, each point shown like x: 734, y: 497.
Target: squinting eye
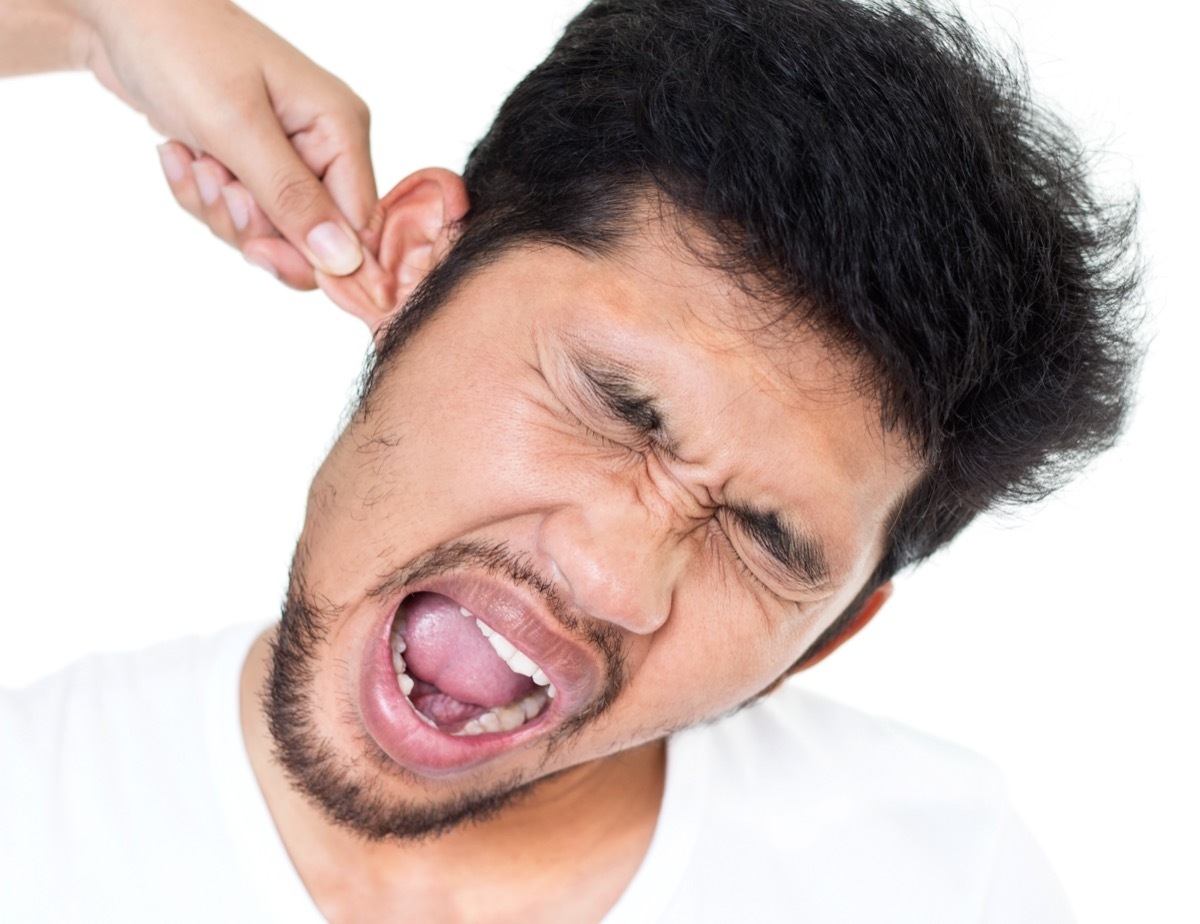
x: 622, y: 434
x: 592, y: 433
x: 741, y: 562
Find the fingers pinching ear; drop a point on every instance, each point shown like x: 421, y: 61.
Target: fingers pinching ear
x: 369, y: 294
x: 297, y: 202
x: 409, y: 233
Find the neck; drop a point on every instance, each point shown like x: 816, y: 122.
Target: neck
x: 565, y: 851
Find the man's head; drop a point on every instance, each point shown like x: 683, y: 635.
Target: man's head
x: 742, y: 307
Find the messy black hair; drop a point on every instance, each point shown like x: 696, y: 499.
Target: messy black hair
x: 869, y: 170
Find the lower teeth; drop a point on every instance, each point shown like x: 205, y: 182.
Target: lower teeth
x: 506, y: 718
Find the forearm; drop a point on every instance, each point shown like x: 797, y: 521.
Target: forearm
x: 41, y: 35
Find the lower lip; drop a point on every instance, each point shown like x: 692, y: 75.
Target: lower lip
x: 407, y: 739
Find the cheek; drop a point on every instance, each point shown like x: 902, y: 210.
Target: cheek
x: 720, y: 647
x: 433, y: 464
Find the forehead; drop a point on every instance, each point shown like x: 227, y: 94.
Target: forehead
x: 756, y: 417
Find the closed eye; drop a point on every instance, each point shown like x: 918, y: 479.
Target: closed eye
x: 791, y: 584
x: 614, y: 420
x: 615, y: 394
x: 730, y: 548
x: 606, y: 441
x: 622, y: 402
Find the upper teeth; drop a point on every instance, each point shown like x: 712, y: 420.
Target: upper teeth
x: 518, y: 661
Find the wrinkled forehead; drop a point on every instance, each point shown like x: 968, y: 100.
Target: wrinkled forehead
x: 669, y: 302
x: 726, y: 320
x: 772, y: 398
x: 657, y: 248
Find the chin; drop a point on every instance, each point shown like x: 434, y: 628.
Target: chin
x: 468, y: 686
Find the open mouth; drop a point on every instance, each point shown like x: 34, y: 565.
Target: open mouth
x: 467, y: 668
x: 461, y: 676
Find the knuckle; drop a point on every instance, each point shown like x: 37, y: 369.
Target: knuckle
x: 345, y: 125
x: 295, y: 194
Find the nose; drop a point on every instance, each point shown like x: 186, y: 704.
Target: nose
x: 620, y: 559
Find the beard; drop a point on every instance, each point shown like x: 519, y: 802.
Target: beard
x: 351, y: 789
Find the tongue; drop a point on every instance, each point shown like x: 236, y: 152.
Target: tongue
x: 446, y: 649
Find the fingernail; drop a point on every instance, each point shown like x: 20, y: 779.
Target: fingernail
x: 237, y: 201
x: 335, y: 252
x: 173, y: 165
x: 255, y: 260
x: 207, y: 185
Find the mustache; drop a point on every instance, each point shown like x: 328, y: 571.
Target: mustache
x: 499, y: 560
x: 493, y: 558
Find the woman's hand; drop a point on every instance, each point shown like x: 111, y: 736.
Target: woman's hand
x: 269, y: 150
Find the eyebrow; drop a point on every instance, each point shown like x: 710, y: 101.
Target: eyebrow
x: 800, y: 554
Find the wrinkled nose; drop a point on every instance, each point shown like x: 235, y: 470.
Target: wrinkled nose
x: 619, y: 560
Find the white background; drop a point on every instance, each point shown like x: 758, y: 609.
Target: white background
x: 164, y: 406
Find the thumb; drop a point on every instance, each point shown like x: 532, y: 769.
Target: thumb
x: 295, y: 200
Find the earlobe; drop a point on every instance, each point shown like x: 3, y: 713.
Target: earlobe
x: 410, y: 231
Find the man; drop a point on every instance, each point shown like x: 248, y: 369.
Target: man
x: 714, y: 337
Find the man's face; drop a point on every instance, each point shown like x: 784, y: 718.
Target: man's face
x: 596, y: 460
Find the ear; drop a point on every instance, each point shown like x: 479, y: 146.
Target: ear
x: 409, y: 232
x: 874, y: 603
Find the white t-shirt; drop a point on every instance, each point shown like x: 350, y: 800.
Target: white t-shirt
x: 126, y: 795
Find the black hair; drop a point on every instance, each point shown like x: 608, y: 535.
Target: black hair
x: 869, y: 169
